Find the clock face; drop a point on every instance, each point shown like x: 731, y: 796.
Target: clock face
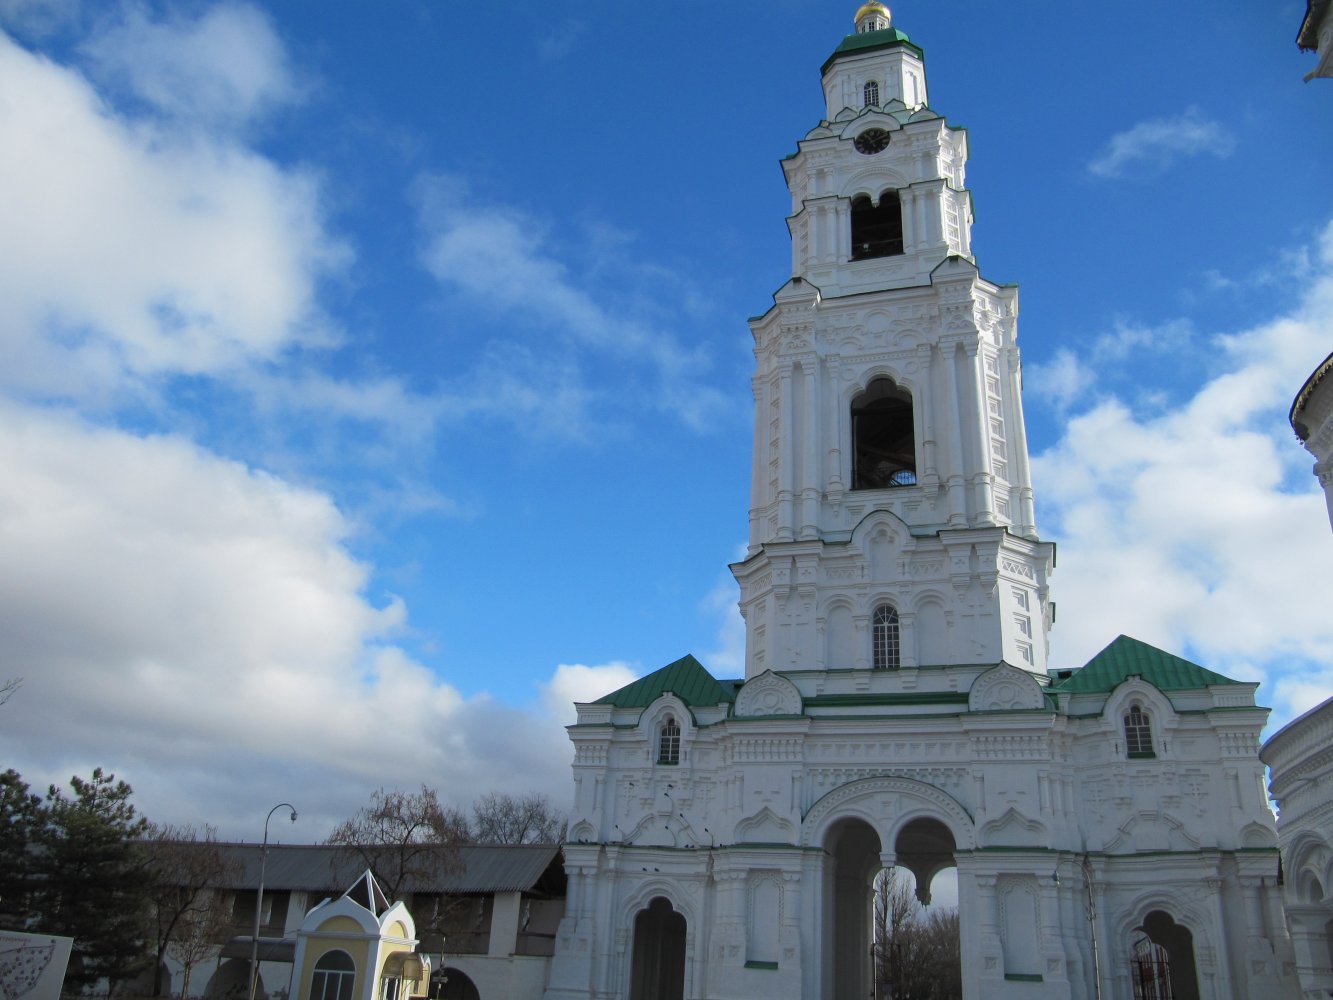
x: 872, y: 140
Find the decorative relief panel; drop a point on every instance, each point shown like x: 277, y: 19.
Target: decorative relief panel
x: 768, y: 694
x: 1011, y: 748
x: 1016, y: 568
x: 767, y: 750
x: 1005, y: 688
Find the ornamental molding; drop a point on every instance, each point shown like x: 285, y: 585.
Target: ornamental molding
x: 1151, y: 831
x: 1014, y: 829
x: 1015, y: 568
x: 887, y: 803
x: 765, y: 827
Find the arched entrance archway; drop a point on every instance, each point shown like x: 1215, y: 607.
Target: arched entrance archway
x: 451, y: 984
x: 925, y: 847
x: 1178, y: 942
x: 657, y: 971
x: 231, y: 978
x: 917, y: 945
x: 852, y: 858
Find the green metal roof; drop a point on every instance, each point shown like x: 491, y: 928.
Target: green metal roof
x: 867, y: 41
x: 686, y: 679
x: 1126, y: 657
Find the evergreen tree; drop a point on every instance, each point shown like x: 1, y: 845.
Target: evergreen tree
x: 93, y: 879
x: 20, y: 819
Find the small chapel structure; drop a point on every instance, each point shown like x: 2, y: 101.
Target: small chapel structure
x: 1107, y: 826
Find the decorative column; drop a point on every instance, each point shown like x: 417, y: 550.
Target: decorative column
x: 951, y: 409
x: 837, y: 421
x: 1026, y: 516
x: 983, y: 511
x: 810, y: 479
x: 757, y: 463
x: 929, y: 418
x: 787, y: 458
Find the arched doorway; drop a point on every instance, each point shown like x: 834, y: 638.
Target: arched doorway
x: 1178, y: 944
x: 852, y: 858
x: 232, y: 978
x: 451, y: 984
x: 657, y: 971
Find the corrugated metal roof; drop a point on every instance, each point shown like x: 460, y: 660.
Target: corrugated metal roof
x: 1126, y: 657
x: 686, y: 678
x: 475, y: 868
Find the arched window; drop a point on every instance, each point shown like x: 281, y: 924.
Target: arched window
x: 871, y: 92
x: 877, y: 230
x: 334, y: 974
x: 668, y: 741
x: 883, y: 437
x: 1138, y: 733
x: 884, y: 638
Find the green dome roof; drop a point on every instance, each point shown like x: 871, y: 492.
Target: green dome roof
x: 869, y: 41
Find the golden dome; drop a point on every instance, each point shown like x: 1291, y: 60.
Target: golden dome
x: 874, y: 7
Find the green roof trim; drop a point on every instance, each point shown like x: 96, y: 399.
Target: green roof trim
x: 686, y: 678
x: 868, y: 41
x: 1126, y: 657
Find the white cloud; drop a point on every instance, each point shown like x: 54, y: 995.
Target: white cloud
x: 727, y: 659
x: 1199, y: 529
x: 561, y: 40
x: 1153, y: 146
x: 202, y: 628
x: 38, y: 17
x: 226, y: 68
x: 1061, y: 382
x: 135, y: 250
x: 578, y: 682
x: 507, y: 262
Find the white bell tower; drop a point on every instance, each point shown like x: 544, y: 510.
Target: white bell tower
x: 891, y: 515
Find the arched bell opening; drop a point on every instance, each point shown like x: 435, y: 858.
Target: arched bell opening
x: 657, y: 971
x: 852, y: 858
x: 883, y: 437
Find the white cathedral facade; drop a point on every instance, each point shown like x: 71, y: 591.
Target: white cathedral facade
x: 1107, y: 824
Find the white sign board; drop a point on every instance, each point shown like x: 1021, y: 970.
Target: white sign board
x: 32, y: 966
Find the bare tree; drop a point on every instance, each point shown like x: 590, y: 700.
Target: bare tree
x: 9, y: 687
x: 517, y: 819
x: 403, y: 837
x: 200, y: 928
x: 916, y: 953
x: 187, y: 869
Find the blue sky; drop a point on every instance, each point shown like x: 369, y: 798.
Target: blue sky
x: 377, y: 382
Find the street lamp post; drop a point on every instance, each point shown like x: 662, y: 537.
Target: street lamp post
x: 259, y: 897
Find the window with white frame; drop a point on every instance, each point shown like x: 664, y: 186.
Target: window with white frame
x: 668, y: 741
x: 871, y: 91
x: 884, y: 638
x: 1138, y: 732
x: 333, y: 978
